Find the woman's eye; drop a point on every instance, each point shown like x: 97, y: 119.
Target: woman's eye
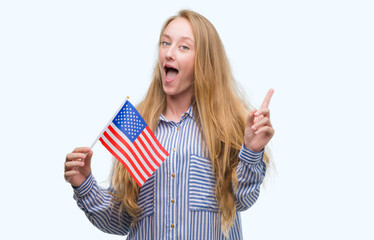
x: 185, y: 48
x: 164, y: 43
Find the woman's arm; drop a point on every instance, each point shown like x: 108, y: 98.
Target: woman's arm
x: 251, y: 172
x: 93, y: 200
x: 251, y: 168
x: 99, y: 208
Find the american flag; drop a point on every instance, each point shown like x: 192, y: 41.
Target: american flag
x: 132, y: 142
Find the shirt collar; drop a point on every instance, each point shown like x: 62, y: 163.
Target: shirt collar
x: 188, y: 113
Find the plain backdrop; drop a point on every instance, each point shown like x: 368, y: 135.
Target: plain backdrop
x: 66, y: 66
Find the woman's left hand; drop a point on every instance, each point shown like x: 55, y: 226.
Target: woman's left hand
x: 258, y: 128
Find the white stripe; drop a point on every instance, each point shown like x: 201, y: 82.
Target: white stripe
x: 154, y: 143
x: 123, y: 159
x: 124, y: 148
x: 137, y: 143
x: 150, y: 149
x: 119, y: 132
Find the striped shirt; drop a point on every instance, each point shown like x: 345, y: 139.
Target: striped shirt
x: 178, y: 201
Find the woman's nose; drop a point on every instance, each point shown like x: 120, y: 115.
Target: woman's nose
x: 170, y: 53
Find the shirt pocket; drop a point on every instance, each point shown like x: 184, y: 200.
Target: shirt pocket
x: 146, y: 197
x: 201, y: 185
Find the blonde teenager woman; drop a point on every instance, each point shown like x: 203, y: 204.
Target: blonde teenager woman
x: 217, y: 161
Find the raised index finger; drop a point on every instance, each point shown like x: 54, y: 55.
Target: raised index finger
x: 266, y: 102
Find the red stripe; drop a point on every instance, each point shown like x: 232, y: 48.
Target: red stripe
x: 153, y: 147
x: 125, y: 154
x: 121, y: 161
x: 156, y: 141
x: 130, y: 148
x: 143, y: 156
x: 141, y: 142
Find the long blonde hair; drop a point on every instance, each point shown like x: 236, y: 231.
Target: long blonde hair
x: 219, y: 110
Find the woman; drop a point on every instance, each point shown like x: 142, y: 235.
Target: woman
x: 216, y: 163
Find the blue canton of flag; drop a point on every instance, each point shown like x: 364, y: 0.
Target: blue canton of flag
x: 129, y: 121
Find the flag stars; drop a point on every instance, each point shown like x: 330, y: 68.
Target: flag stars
x: 129, y: 121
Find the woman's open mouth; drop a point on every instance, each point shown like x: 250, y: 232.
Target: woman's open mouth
x: 170, y: 73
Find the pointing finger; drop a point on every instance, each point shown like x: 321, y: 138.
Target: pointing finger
x: 266, y: 102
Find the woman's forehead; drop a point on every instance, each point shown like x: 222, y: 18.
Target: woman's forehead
x: 179, y: 27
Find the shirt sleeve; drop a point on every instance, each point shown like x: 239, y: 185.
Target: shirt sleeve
x: 251, y: 172
x: 103, y: 213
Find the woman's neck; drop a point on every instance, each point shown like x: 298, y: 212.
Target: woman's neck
x: 175, y: 107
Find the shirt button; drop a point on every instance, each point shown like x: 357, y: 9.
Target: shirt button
x: 172, y: 201
x: 173, y: 175
x: 173, y: 149
x: 177, y: 128
x: 172, y: 225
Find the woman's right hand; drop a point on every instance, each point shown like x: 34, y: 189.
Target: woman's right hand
x: 78, y: 166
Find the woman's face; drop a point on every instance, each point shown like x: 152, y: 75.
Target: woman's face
x: 177, y: 59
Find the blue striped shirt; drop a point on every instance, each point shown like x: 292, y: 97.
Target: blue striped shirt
x: 178, y: 200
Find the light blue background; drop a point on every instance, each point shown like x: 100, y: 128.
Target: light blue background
x: 66, y: 66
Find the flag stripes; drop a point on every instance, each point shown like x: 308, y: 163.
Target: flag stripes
x: 141, y: 157
x: 114, y: 152
x: 126, y: 146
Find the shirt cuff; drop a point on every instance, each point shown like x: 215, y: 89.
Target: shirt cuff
x: 85, y: 187
x: 249, y: 156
